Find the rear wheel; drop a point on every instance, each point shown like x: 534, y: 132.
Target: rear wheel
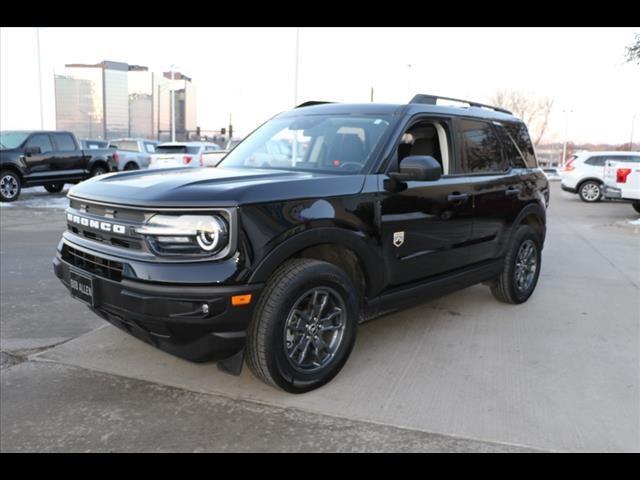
x: 131, y: 166
x: 521, y: 269
x: 10, y: 186
x: 54, y: 187
x: 590, y: 191
x: 98, y: 170
x: 304, y: 326
x: 636, y: 205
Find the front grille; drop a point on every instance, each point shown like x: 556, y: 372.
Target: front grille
x: 129, y: 243
x: 99, y: 266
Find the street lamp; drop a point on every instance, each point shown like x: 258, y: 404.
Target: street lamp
x: 633, y: 121
x: 566, y: 128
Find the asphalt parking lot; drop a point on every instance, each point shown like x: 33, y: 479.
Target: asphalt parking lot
x: 461, y: 373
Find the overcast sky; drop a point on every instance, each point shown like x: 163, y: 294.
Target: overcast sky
x: 249, y: 72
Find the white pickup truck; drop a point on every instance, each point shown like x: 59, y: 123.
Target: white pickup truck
x: 622, y: 180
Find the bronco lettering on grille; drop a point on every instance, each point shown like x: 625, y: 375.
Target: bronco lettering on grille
x: 98, y: 225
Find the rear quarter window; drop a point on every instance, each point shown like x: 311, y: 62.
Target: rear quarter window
x: 520, y: 135
x: 481, y: 148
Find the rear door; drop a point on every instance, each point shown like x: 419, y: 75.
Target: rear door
x: 68, y: 158
x: 498, y: 185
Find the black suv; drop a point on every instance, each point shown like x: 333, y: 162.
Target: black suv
x: 325, y: 216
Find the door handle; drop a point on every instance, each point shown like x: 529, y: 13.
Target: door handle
x: 456, y: 197
x: 512, y: 192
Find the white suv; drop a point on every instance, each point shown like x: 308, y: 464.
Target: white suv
x: 584, y: 173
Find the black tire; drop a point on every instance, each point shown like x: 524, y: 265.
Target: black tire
x: 54, y: 187
x: 10, y: 186
x: 267, y: 340
x: 98, y: 170
x: 590, y: 191
x: 636, y: 205
x: 507, y: 287
x: 131, y: 166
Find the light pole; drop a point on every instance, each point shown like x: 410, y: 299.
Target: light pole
x: 295, y: 83
x: 566, y: 129
x: 173, y: 103
x: 39, y: 78
x: 633, y: 121
x: 409, y: 79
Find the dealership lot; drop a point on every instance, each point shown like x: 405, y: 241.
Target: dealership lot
x: 463, y: 372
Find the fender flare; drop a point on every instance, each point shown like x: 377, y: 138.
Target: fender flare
x: 533, y: 208
x: 370, y: 257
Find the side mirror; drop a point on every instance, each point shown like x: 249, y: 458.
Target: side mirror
x: 418, y: 168
x: 32, y: 150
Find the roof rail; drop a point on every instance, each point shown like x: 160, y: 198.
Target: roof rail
x: 432, y: 100
x: 311, y: 103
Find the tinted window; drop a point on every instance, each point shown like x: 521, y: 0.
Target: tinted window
x: 511, y: 151
x: 211, y: 148
x: 177, y: 149
x: 43, y: 141
x: 150, y: 147
x: 520, y: 135
x: 596, y: 161
x: 64, y: 142
x: 481, y: 147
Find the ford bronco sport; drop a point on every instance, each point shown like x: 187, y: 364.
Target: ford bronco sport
x: 375, y: 208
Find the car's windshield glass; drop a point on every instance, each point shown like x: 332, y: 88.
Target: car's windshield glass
x: 12, y: 139
x: 176, y: 149
x: 328, y: 143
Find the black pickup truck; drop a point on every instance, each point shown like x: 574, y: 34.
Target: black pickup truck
x: 50, y: 159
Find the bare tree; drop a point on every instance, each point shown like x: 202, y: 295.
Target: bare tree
x: 633, y: 50
x: 533, y: 111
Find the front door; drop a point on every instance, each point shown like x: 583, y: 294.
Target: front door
x: 38, y: 162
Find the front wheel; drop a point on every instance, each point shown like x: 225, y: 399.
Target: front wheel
x: 636, y: 205
x: 304, y: 326
x: 521, y: 270
x: 131, y: 166
x: 10, y: 186
x: 590, y: 191
x: 54, y: 187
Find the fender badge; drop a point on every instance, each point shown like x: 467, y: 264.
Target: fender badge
x: 398, y: 238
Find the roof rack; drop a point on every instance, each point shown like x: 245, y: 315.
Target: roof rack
x: 310, y: 103
x: 432, y: 100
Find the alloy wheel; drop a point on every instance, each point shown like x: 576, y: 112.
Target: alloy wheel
x: 8, y: 186
x: 526, y: 265
x: 314, y: 329
x: 591, y: 192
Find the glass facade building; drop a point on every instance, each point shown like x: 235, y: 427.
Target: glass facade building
x: 114, y: 100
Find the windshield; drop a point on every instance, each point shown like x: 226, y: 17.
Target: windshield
x: 328, y: 143
x: 177, y: 149
x: 12, y: 139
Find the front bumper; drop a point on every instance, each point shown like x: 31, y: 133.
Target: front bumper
x: 170, y: 316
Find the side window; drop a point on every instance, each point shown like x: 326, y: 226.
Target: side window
x: 149, y: 147
x: 598, y: 161
x: 41, y: 140
x: 481, y: 147
x: 511, y: 151
x: 426, y: 137
x: 520, y: 135
x: 64, y: 142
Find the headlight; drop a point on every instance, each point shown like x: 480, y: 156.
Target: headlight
x: 186, y: 234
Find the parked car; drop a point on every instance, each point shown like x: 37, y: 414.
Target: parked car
x: 391, y: 205
x: 181, y: 154
x: 47, y: 158
x: 88, y: 143
x: 553, y: 174
x: 622, y: 180
x: 213, y: 158
x: 132, y: 153
x: 584, y: 173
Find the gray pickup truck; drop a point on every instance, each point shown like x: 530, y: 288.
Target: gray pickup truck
x: 46, y: 158
x: 132, y: 153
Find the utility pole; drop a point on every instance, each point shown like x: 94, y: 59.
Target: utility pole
x: 566, y: 128
x: 40, y: 78
x: 173, y: 105
x: 371, y: 94
x: 295, y: 85
x: 633, y: 121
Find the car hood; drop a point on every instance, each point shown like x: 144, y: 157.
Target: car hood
x: 199, y: 187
